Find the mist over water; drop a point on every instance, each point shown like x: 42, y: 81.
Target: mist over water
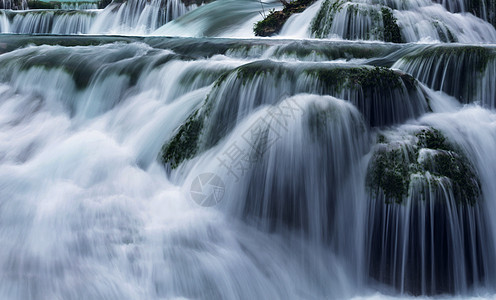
x: 172, y: 155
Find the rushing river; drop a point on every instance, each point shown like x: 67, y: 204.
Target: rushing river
x: 158, y: 150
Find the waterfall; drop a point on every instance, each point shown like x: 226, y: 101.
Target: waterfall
x: 390, y: 21
x: 157, y: 149
x: 74, y: 91
x: 54, y: 22
x: 483, y: 9
x: 219, y: 18
x: 383, y: 207
x: 78, y: 6
x: 138, y: 16
x: 130, y: 17
x: 14, y: 4
x: 4, y: 22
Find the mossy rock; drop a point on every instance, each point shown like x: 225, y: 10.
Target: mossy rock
x: 184, y: 144
x: 392, y: 31
x: 275, y: 20
x: 383, y: 24
x: 395, y: 163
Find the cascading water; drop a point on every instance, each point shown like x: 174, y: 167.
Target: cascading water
x: 130, y: 17
x: 395, y: 21
x: 9, y: 4
x: 466, y: 72
x: 154, y: 167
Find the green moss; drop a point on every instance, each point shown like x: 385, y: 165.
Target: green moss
x: 392, y: 31
x: 464, y: 183
x: 393, y: 164
x: 271, y: 24
x: 274, y: 21
x: 184, y: 144
x: 390, y: 173
x: 432, y: 139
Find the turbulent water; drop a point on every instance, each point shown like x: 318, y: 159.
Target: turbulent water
x: 324, y: 163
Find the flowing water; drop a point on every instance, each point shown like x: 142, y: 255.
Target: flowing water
x: 323, y: 163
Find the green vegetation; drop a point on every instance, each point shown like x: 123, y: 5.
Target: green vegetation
x: 275, y: 20
x: 390, y: 173
x: 394, y: 163
x: 392, y: 31
x: 184, y: 144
